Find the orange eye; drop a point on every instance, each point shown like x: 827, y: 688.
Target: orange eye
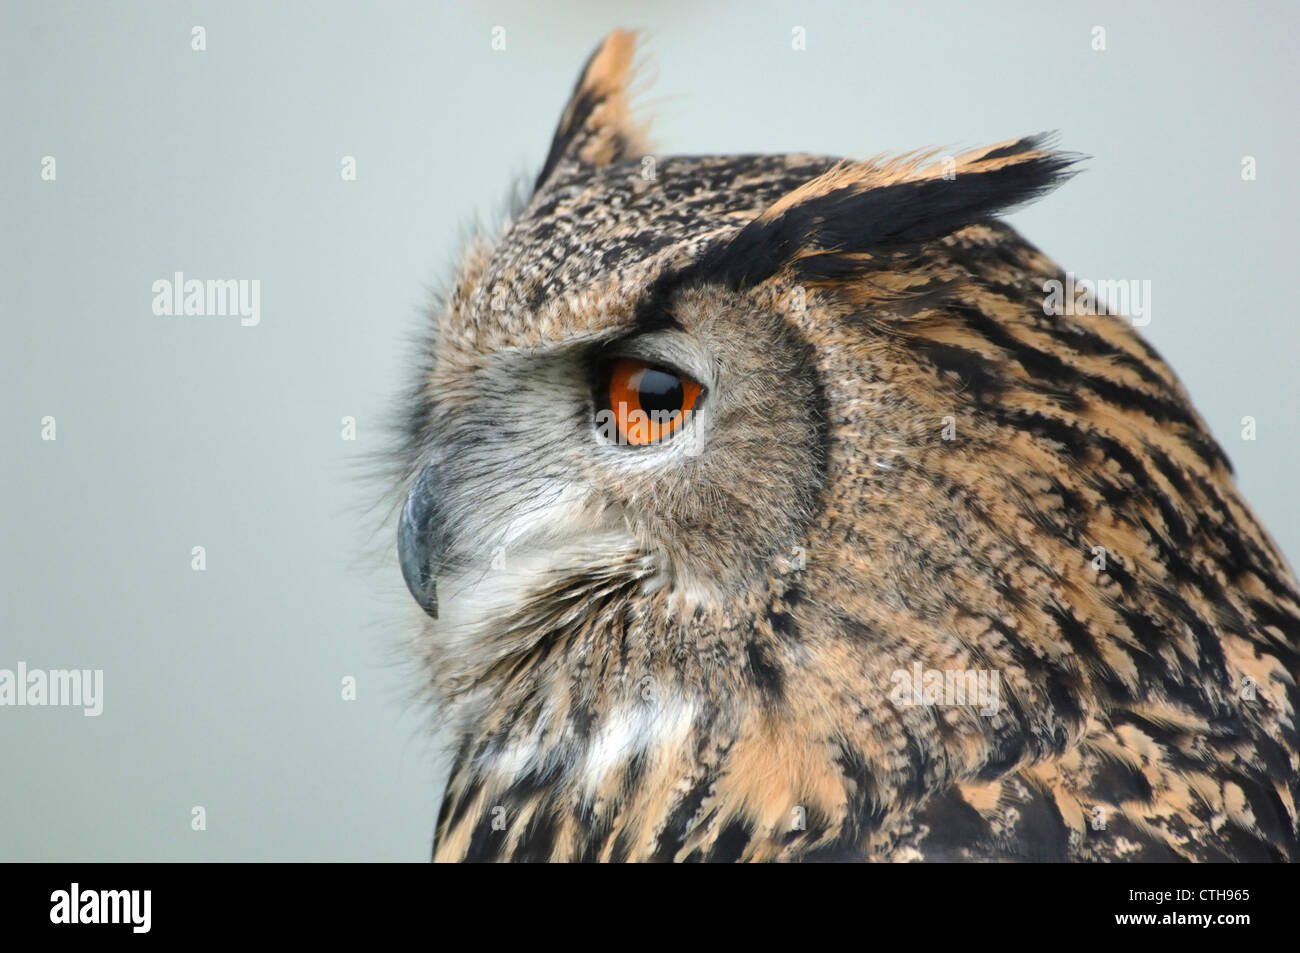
x: 648, y: 402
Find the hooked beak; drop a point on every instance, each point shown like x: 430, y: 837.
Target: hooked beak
x: 420, y: 540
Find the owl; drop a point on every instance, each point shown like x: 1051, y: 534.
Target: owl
x: 766, y: 508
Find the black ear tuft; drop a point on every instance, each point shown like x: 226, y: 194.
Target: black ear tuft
x: 856, y: 207
x: 596, y: 128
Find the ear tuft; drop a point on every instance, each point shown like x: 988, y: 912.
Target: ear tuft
x: 857, y: 206
x: 596, y: 127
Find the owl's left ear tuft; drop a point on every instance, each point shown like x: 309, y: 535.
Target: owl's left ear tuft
x: 825, y: 229
x: 596, y: 127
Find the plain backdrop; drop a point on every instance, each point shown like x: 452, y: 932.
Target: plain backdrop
x: 223, y: 687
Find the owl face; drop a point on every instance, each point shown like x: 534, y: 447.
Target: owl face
x: 693, y: 449
x: 706, y: 450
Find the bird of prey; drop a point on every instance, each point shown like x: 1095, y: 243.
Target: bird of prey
x: 782, y: 508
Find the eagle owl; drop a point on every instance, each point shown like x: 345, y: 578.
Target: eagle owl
x: 760, y: 509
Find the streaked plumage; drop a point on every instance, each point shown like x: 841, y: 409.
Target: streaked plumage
x: 645, y: 653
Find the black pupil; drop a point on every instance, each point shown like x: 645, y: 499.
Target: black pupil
x: 659, y: 391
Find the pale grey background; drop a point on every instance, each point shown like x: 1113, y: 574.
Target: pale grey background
x: 222, y: 687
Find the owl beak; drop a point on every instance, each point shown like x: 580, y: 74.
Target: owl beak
x: 420, y: 542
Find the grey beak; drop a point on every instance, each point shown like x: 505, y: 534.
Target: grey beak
x: 421, y: 542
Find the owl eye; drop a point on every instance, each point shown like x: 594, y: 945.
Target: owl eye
x: 647, y: 402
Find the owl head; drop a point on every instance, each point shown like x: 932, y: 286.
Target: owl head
x: 706, y: 449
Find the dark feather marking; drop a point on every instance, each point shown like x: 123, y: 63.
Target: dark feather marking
x: 782, y: 623
x: 731, y: 842
x: 764, y: 671
x: 678, y: 824
x: 622, y: 847
x: 460, y: 805
x: 953, y: 825
x: 1061, y: 375
x: 485, y: 844
x: 976, y: 372
x: 1115, y: 782
x: 596, y: 830
x: 865, y: 809
x: 1040, y: 832
x: 538, y: 840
